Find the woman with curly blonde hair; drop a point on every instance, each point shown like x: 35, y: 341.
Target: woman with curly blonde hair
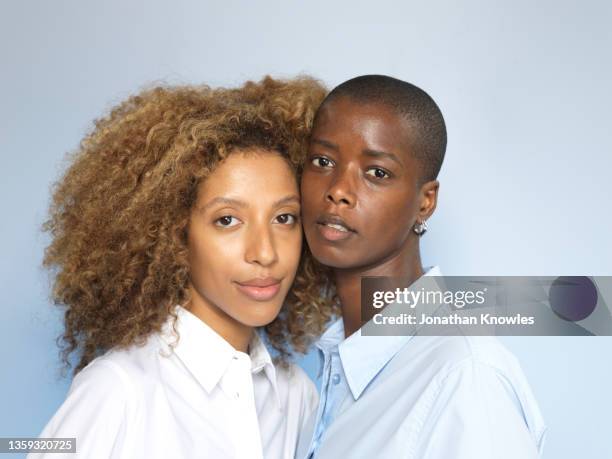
x: 176, y: 246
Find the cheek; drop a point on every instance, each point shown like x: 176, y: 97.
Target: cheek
x: 312, y: 188
x: 289, y: 247
x: 211, y: 260
x: 389, y: 222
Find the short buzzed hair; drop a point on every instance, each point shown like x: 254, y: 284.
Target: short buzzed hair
x: 428, y: 133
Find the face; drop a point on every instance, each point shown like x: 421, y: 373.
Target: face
x: 245, y: 238
x: 360, y: 187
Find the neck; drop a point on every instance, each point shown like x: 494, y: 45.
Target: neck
x: 348, y: 283
x: 237, y: 334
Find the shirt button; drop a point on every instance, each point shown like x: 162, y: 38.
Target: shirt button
x: 335, y: 379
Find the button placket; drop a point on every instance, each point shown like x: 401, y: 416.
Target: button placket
x: 248, y: 439
x: 326, y: 386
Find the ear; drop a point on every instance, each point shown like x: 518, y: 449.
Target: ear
x: 429, y: 199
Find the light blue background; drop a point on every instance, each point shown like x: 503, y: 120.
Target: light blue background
x: 525, y: 188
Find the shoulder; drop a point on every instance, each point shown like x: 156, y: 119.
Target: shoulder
x: 96, y: 404
x: 471, y: 361
x: 441, y: 364
x: 119, y: 376
x: 108, y: 384
x: 102, y: 376
x: 462, y: 363
x: 103, y: 399
x: 119, y: 372
x: 472, y: 375
x: 441, y: 355
x: 136, y: 365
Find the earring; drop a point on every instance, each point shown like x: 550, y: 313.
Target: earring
x: 420, y: 227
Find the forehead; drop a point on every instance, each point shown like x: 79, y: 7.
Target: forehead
x: 249, y: 174
x: 370, y: 124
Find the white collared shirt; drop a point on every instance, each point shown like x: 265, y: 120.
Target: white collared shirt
x: 421, y: 397
x: 201, y: 399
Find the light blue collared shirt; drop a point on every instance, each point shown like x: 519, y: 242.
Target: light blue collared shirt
x: 425, y: 397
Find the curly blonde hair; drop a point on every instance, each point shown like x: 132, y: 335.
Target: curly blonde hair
x: 119, y: 215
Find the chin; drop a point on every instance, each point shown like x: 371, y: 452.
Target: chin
x: 332, y: 257
x: 261, y: 317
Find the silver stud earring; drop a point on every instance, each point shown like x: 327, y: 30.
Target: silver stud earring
x: 420, y: 227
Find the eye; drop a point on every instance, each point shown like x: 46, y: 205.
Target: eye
x: 286, y: 219
x: 227, y: 221
x: 321, y: 161
x: 378, y: 173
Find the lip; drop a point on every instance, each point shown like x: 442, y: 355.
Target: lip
x: 332, y: 234
x: 260, y: 289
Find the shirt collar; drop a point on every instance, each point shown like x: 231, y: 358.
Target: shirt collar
x: 332, y: 336
x: 207, y: 356
x: 363, y: 357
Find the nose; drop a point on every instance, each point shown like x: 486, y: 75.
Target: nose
x: 342, y: 189
x: 260, y: 248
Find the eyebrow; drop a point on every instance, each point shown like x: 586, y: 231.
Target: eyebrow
x: 244, y: 205
x: 381, y: 154
x: 366, y: 152
x: 326, y: 143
